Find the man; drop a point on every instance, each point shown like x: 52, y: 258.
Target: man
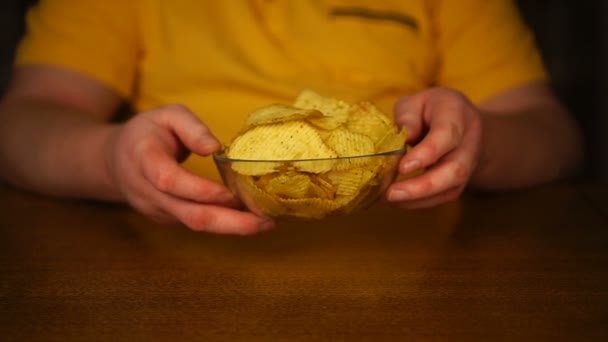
x: 463, y: 76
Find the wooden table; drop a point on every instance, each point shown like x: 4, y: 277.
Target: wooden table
x: 530, y: 265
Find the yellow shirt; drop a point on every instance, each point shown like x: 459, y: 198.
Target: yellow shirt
x: 224, y: 59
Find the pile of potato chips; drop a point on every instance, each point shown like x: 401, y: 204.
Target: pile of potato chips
x: 314, y: 158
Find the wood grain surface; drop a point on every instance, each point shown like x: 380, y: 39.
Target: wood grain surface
x: 529, y: 265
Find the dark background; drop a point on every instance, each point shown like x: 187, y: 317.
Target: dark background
x: 571, y: 36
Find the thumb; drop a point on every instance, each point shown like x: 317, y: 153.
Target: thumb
x: 190, y: 130
x: 408, y: 113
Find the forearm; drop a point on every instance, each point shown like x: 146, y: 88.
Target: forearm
x: 55, y: 150
x: 536, y: 146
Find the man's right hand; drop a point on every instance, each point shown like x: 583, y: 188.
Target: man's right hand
x: 143, y: 161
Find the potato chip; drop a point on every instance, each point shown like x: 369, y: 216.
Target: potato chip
x: 364, y: 118
x: 297, y: 185
x: 392, y: 141
x: 372, y: 110
x: 349, y: 144
x: 349, y: 204
x: 335, y: 112
x: 350, y: 182
x: 259, y: 200
x: 291, y: 140
x: 279, y: 113
x: 252, y: 168
x: 329, y: 122
x: 290, y: 185
x: 322, y: 187
x: 309, y: 99
x: 310, y: 208
x: 323, y: 133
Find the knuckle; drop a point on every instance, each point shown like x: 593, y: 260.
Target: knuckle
x: 454, y: 131
x: 202, y: 134
x: 143, y: 146
x: 436, y: 90
x: 247, y: 230
x: 453, y: 98
x: 169, y: 112
x: 460, y: 172
x: 160, y: 218
x: 402, y: 105
x: 197, y: 219
x: 155, y: 214
x: 455, y: 94
x: 176, y: 107
x: 452, y: 195
x: 165, y: 180
x: 448, y: 133
x: 476, y: 127
x: 424, y: 186
x: 427, y: 186
x: 446, y: 92
x: 429, y: 150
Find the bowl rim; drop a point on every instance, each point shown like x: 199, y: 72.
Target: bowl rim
x: 221, y: 157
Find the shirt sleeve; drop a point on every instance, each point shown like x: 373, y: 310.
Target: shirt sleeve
x: 484, y: 47
x: 97, y: 38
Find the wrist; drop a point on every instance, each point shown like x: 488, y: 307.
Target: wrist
x: 107, y: 142
x: 518, y: 150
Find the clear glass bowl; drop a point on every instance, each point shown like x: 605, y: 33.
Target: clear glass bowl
x: 309, y: 188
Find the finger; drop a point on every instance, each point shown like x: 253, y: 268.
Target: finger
x: 449, y: 195
x: 145, y: 200
x: 408, y: 113
x: 445, y: 134
x: 215, y: 219
x: 454, y: 170
x: 190, y: 130
x: 167, y: 176
x: 444, y: 175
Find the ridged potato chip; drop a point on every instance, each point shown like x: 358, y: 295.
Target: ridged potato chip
x: 349, y: 144
x: 279, y: 113
x: 290, y: 185
x: 291, y: 140
x: 349, y: 204
x: 350, y: 182
x: 262, y: 201
x: 335, y: 112
x: 322, y: 187
x: 392, y: 141
x: 366, y: 119
x: 315, y: 208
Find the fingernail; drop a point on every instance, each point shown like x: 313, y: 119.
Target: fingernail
x: 267, y: 225
x: 207, y: 145
x: 397, y: 195
x: 211, y: 146
x: 226, y: 197
x: 411, y: 165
